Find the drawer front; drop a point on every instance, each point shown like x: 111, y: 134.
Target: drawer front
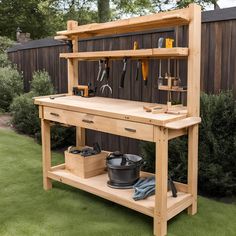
x: 100, y: 123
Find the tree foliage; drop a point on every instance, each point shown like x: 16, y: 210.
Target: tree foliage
x: 43, y: 18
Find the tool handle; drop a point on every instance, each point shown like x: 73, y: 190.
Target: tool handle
x: 135, y: 45
x: 173, y: 188
x: 107, y: 72
x: 122, y: 80
x: 160, y: 42
x: 137, y: 70
x: 145, y: 71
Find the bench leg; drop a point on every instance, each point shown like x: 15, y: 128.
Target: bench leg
x: 160, y: 211
x: 193, y: 166
x: 46, y: 153
x: 80, y: 136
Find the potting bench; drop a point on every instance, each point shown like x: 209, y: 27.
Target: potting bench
x: 127, y: 118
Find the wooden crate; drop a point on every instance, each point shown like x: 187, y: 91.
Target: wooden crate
x: 86, y: 167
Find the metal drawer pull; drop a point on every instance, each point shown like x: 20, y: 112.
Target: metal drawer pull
x: 88, y: 121
x: 54, y: 114
x: 130, y: 130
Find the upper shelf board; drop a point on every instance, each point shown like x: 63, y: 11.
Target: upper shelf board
x: 140, y: 53
x: 135, y: 24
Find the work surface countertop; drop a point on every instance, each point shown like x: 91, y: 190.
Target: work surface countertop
x: 109, y: 107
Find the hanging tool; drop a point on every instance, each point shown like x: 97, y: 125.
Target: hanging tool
x: 138, y: 62
x: 100, y: 63
x: 160, y: 45
x: 145, y: 70
x: 169, y: 44
x: 122, y: 80
x: 105, y: 74
x: 105, y: 70
x: 172, y: 187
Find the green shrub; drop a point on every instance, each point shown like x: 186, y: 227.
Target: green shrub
x: 25, y: 114
x: 11, y: 85
x: 4, y: 62
x: 5, y: 43
x: 217, y: 148
x: 41, y: 84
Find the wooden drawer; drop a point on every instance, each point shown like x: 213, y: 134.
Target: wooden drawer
x: 100, y: 123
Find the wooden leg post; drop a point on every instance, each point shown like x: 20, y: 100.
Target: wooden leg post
x: 46, y: 151
x: 193, y: 166
x: 80, y: 136
x: 160, y: 211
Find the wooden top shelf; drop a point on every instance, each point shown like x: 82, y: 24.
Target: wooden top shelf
x: 135, y: 24
x: 177, y: 52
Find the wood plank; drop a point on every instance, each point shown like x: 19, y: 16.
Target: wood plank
x: 110, y: 107
x: 193, y: 94
x: 97, y: 186
x: 184, y: 123
x: 46, y: 153
x: 160, y: 210
x: 193, y: 167
x: 179, y: 206
x: 174, y: 133
x: 118, y: 54
x: 167, y: 19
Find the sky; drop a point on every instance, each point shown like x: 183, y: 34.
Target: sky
x: 225, y: 4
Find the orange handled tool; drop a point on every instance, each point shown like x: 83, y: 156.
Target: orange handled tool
x: 145, y: 70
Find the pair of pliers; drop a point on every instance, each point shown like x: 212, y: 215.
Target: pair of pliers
x: 103, y: 71
x: 106, y: 74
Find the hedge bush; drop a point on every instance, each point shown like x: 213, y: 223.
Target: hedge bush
x: 11, y: 85
x: 25, y: 114
x: 4, y: 62
x: 41, y: 84
x: 5, y: 43
x: 217, y: 148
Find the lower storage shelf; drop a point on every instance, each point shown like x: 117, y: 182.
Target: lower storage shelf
x: 98, y: 186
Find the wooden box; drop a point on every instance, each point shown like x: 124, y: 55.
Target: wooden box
x: 86, y: 167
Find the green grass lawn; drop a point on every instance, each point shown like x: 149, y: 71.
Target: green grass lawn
x: 26, y: 209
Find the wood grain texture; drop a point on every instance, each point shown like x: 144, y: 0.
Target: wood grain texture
x: 119, y: 54
x: 46, y: 153
x: 98, y: 185
x: 109, y: 107
x: 167, y: 19
x: 160, y: 210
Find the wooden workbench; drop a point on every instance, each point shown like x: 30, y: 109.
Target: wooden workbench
x: 128, y: 118
x: 125, y: 118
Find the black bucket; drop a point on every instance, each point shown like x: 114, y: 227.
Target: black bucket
x: 123, y: 169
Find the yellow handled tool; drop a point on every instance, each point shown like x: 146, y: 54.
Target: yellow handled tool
x: 145, y: 70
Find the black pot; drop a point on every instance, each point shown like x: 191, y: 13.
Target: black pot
x: 123, y: 169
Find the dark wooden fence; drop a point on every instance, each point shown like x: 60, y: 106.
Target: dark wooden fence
x: 218, y: 64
